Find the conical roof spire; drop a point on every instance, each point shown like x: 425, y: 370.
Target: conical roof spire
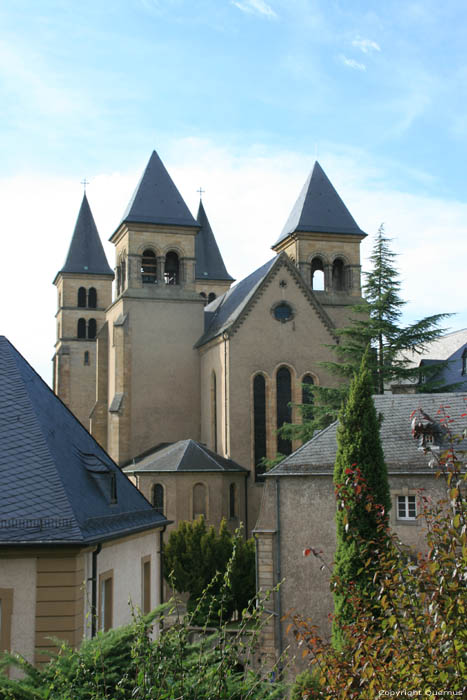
x: 319, y: 209
x: 209, y: 263
x: 86, y: 254
x: 156, y: 199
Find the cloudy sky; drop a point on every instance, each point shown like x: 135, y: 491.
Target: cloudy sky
x: 239, y: 97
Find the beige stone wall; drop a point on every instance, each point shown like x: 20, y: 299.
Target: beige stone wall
x: 19, y: 573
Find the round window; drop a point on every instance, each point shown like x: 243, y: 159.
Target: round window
x: 283, y: 312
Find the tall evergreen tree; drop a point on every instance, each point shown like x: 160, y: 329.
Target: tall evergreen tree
x: 358, y: 448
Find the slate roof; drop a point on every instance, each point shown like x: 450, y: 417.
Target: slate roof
x: 450, y: 348
x: 401, y: 451
x: 209, y: 263
x: 86, y: 254
x: 183, y: 456
x: 319, y: 209
x: 156, y: 199
x: 55, y: 480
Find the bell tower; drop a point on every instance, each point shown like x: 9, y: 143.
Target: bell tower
x: 84, y: 286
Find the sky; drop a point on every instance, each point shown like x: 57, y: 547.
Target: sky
x: 239, y: 97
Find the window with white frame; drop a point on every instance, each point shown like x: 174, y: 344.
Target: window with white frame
x: 406, y: 507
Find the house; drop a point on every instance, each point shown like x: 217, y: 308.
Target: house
x: 77, y: 539
x: 298, y: 509
x: 175, y: 353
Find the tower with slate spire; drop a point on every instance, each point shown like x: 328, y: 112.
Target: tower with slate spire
x: 323, y: 240
x: 84, y: 286
x: 211, y: 276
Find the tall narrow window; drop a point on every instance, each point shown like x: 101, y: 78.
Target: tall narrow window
x: 284, y: 413
x: 338, y: 271
x: 172, y: 268
x: 199, y: 501
x: 81, y: 331
x: 106, y: 600
x: 232, y: 502
x: 214, y: 410
x: 317, y: 274
x: 146, y: 585
x: 81, y: 297
x: 158, y: 497
x: 119, y: 279
x: 92, y: 298
x: 148, y: 267
x: 92, y: 328
x: 123, y: 276
x: 86, y: 357
x: 259, y: 423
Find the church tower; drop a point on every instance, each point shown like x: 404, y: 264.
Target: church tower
x: 167, y: 265
x: 84, y: 286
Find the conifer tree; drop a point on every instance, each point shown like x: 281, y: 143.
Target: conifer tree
x: 358, y: 448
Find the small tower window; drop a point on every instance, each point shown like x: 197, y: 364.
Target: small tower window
x: 92, y: 328
x: 172, y: 268
x: 81, y: 298
x: 81, y: 332
x: 123, y: 277
x: 317, y: 274
x: 338, y: 272
x: 86, y: 357
x: 211, y: 297
x: 232, y: 502
x: 148, y: 267
x: 92, y: 298
x: 158, y: 497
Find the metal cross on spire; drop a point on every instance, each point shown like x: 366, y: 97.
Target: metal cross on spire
x: 84, y: 183
x: 201, y: 192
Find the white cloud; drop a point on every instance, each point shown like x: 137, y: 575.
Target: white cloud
x: 255, y: 7
x: 351, y: 63
x: 366, y: 45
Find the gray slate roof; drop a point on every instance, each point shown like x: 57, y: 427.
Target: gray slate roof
x: 401, y: 451
x: 209, y: 263
x: 183, y: 456
x: 319, y: 209
x: 450, y: 348
x: 55, y: 480
x: 156, y: 199
x: 86, y: 254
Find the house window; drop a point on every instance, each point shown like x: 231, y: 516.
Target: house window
x: 92, y: 298
x: 158, y: 497
x: 406, y: 507
x: 146, y: 585
x: 172, y: 268
x: 214, y: 410
x: 86, y: 357
x: 283, y: 410
x: 81, y: 297
x: 199, y: 501
x: 6, y: 609
x: 105, y: 600
x: 81, y: 331
x: 464, y: 362
x: 148, y: 267
x: 92, y: 328
x: 259, y: 423
x: 232, y: 501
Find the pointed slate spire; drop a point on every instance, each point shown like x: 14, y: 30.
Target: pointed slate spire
x: 156, y: 199
x: 209, y: 263
x: 319, y: 209
x: 86, y: 254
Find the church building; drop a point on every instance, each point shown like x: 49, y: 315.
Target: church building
x: 175, y: 353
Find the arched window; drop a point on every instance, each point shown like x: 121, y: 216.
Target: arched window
x: 338, y: 272
x: 259, y: 423
x: 123, y: 277
x: 158, y: 497
x: 92, y: 328
x: 81, y: 298
x: 148, y: 267
x: 214, y: 410
x: 81, y: 328
x: 172, y: 268
x: 199, y: 501
x: 92, y: 298
x: 232, y: 501
x: 211, y: 297
x: 317, y: 274
x: 86, y: 357
x: 119, y: 279
x: 283, y: 410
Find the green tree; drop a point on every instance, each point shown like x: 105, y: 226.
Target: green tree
x: 358, y: 448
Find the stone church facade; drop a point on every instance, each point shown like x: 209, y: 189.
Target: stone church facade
x: 174, y: 352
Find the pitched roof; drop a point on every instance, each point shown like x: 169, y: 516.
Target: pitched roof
x: 86, y: 254
x: 222, y: 313
x: 156, y: 200
x: 319, y: 209
x: 55, y: 480
x: 448, y: 348
x: 183, y: 456
x: 401, y: 451
x: 209, y: 263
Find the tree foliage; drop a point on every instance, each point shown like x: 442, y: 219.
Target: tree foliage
x: 196, y: 557
x: 420, y: 643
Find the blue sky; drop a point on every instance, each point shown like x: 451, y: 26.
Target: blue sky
x: 239, y: 96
